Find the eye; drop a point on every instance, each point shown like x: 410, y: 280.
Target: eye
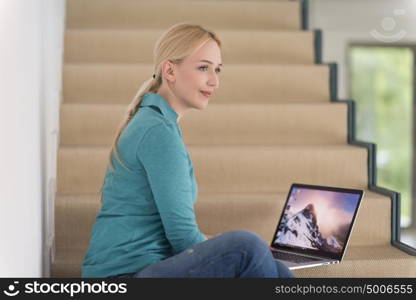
x: 206, y: 67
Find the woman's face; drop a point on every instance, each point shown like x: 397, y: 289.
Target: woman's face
x: 198, y: 72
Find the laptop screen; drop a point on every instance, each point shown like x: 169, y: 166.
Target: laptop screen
x: 317, y: 219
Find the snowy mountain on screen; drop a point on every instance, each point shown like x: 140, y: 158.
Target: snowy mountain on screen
x: 301, y: 229
x: 333, y: 242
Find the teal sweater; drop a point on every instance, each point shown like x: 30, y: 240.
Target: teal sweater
x: 147, y: 212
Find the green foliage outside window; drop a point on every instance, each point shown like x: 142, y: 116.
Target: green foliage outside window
x: 381, y: 81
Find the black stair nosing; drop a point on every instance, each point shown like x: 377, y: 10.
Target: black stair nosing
x: 318, y: 45
x: 305, y: 14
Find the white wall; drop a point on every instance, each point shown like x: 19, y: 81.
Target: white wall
x: 31, y: 34
x: 53, y: 38
x: 382, y: 22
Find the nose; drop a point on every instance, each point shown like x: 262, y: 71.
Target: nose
x: 213, y: 80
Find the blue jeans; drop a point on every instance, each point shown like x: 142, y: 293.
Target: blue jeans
x: 237, y: 253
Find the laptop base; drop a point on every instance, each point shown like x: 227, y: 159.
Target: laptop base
x: 295, y: 266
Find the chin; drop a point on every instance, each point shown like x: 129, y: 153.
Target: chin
x: 202, y: 106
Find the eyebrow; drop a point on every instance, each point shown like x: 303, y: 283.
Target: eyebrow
x: 210, y: 62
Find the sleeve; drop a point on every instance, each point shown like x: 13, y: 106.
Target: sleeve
x: 164, y: 158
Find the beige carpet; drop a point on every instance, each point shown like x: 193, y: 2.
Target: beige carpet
x: 270, y: 124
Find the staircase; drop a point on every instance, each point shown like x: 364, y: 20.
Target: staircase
x: 271, y: 123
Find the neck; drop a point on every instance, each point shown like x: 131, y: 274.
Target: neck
x: 173, y: 102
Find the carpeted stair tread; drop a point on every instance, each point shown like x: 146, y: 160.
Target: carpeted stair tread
x: 243, y: 168
x: 118, y: 83
x: 136, y: 46
x: 162, y: 14
x: 267, y: 124
x: 367, y: 261
x: 360, y: 261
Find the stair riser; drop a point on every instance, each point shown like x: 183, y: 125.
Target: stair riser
x: 232, y: 169
x: 136, y: 46
x: 262, y: 218
x: 245, y: 124
x: 141, y: 14
x: 117, y: 84
x: 271, y: 169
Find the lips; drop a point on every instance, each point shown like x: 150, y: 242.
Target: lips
x: 206, y: 94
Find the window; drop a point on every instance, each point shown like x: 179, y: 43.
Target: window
x: 381, y: 83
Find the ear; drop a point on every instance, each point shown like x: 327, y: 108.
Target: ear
x: 168, y: 71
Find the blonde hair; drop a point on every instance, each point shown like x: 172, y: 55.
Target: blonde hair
x: 175, y: 44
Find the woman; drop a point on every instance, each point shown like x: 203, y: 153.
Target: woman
x: 146, y: 226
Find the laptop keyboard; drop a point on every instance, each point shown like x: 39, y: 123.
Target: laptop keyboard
x: 293, y: 257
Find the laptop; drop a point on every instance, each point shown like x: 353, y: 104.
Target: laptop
x: 315, y: 225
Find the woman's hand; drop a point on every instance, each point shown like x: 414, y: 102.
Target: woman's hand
x: 208, y: 236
